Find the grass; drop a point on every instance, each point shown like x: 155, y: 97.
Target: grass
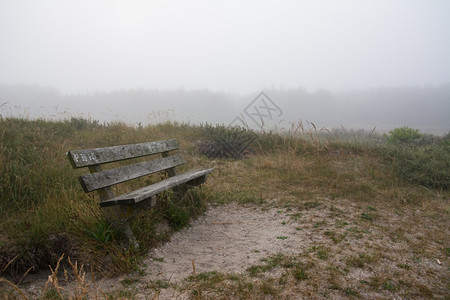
x: 353, y: 190
x: 43, y: 210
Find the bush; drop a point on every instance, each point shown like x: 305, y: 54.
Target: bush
x: 403, y: 135
x: 81, y: 123
x: 426, y: 165
x: 227, y: 142
x: 420, y: 158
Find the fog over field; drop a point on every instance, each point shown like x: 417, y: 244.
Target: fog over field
x: 357, y: 64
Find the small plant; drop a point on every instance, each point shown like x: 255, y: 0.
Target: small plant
x: 309, y: 204
x: 255, y: 270
x: 404, y: 266
x: 160, y: 259
x: 125, y: 294
x: 312, y: 248
x: 336, y: 238
x: 52, y: 294
x: 366, y: 216
x: 252, y: 199
x: 320, y: 224
x: 159, y: 284
x: 359, y: 261
x: 299, y: 273
x: 102, y: 232
x: 282, y: 237
x: 267, y: 287
x: 128, y: 281
x: 447, y: 251
x: 350, y: 291
x: 178, y: 212
x: 388, y: 285
x: 322, y: 254
x: 178, y: 216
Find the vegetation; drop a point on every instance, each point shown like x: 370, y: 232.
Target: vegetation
x: 421, y: 159
x: 43, y: 210
x: 403, y: 135
x: 45, y: 214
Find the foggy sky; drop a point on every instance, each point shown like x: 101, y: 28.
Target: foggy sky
x: 232, y: 46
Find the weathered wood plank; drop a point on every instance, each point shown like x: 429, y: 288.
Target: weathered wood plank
x: 98, y: 180
x: 88, y: 157
x: 156, y: 188
x: 107, y: 192
x: 170, y: 172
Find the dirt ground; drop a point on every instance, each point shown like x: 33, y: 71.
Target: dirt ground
x: 352, y: 251
x: 228, y: 238
x: 372, y: 259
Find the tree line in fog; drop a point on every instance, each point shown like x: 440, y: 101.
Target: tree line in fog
x: 426, y: 108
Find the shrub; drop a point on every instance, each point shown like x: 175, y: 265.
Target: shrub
x: 420, y: 158
x: 403, y: 135
x: 227, y: 142
x: 81, y: 123
x: 426, y: 165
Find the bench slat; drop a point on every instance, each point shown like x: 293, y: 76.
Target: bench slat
x: 98, y: 180
x: 156, y: 188
x: 89, y: 157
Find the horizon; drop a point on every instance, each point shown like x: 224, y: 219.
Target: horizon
x: 424, y: 108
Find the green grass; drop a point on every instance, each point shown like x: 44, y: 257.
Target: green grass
x: 44, y: 210
x: 45, y: 213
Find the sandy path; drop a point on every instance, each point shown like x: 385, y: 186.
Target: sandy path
x: 227, y: 238
x: 231, y: 238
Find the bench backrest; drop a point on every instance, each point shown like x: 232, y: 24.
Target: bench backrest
x: 102, y: 180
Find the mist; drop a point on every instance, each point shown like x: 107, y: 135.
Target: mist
x: 356, y: 64
x: 382, y: 109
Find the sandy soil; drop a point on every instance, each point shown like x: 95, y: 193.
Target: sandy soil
x: 231, y: 238
x: 227, y: 238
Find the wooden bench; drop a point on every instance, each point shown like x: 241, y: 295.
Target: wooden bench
x: 102, y: 180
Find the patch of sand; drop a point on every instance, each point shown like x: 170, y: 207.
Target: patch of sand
x: 227, y: 238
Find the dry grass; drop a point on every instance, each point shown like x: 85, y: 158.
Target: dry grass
x: 376, y: 235
x: 77, y: 287
x: 346, y: 254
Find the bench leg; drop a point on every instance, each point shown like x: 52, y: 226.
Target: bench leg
x: 127, y: 230
x: 126, y: 213
x: 119, y: 216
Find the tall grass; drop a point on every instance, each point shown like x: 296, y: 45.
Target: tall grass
x: 44, y: 212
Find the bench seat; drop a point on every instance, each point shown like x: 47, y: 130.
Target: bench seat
x: 156, y: 188
x: 102, y: 181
